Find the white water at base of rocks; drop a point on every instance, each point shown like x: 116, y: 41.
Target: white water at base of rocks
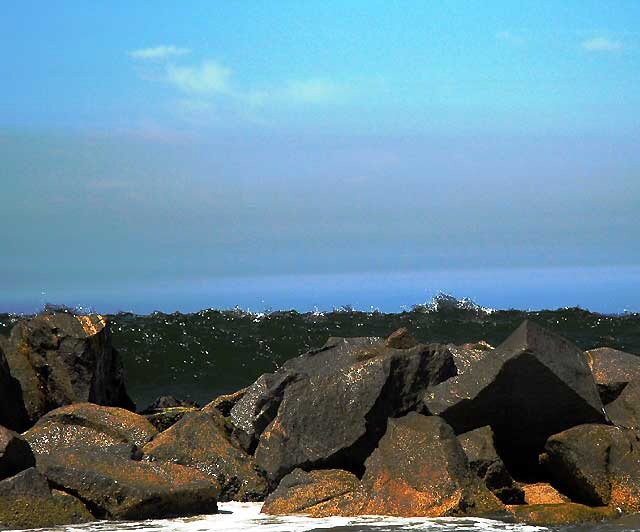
x: 246, y: 517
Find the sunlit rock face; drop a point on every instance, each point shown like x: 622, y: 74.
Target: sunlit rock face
x: 612, y: 370
x: 533, y: 385
x: 60, y: 359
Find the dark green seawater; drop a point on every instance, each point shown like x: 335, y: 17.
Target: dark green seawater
x: 201, y: 355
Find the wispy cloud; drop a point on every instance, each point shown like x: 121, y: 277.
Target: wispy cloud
x: 510, y: 37
x: 207, y: 78
x: 601, y: 44
x: 314, y: 91
x: 158, y: 52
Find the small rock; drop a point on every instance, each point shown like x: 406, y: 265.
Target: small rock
x: 15, y: 453
x: 401, y: 339
x: 225, y: 403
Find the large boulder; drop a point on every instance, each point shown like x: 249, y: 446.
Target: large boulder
x: 322, y: 493
x: 116, y: 488
x: 485, y: 462
x: 420, y: 469
x: 612, y: 370
x: 13, y: 413
x: 205, y: 441
x: 533, y: 385
x: 625, y: 410
x: 596, y: 465
x: 15, y: 453
x: 85, y: 426
x: 60, y: 359
x: 27, y: 502
x: 334, y: 418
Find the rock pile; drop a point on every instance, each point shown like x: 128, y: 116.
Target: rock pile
x: 534, y: 430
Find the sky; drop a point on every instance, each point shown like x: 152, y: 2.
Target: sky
x: 160, y: 141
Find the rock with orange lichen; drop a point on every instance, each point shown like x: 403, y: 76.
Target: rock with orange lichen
x: 115, y: 488
x: 224, y: 403
x: 420, y: 469
x: 85, y: 426
x: 542, y: 493
x: 561, y: 514
x: 624, y: 411
x: 401, y: 339
x: 321, y: 493
x: 335, y: 417
x: 612, y: 370
x: 60, y: 359
x: 205, y: 442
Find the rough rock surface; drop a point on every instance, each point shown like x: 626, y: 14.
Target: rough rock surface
x: 205, y: 442
x: 335, y: 418
x: 468, y: 355
x: 560, y: 514
x: 625, y: 410
x: 13, y: 413
x: 60, y: 359
x: 321, y: 493
x: 167, y: 417
x: 612, y: 370
x: 484, y: 461
x: 15, y: 453
x: 596, y: 465
x: 420, y: 469
x: 533, y: 385
x: 224, y: 403
x: 85, y: 426
x: 27, y: 502
x: 401, y: 339
x: 543, y: 493
x: 116, y: 488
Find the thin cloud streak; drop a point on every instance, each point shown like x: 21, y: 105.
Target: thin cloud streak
x: 601, y: 44
x: 158, y: 52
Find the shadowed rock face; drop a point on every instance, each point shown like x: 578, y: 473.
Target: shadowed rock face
x: 27, y: 502
x: 484, y: 461
x: 13, y: 413
x: 15, y: 453
x: 533, y: 385
x: 420, y: 469
x: 625, y: 410
x: 85, y: 426
x: 320, y: 493
x: 115, y: 488
x: 205, y: 442
x: 60, y: 359
x: 612, y: 370
x: 335, y: 417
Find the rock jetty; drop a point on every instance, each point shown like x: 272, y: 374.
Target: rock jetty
x: 534, y: 430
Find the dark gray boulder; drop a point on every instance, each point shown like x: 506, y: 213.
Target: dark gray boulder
x: 484, y: 461
x: 334, y: 417
x: 625, y: 410
x: 13, y: 413
x: 60, y: 359
x: 533, y: 385
x: 15, y: 453
x: 612, y: 370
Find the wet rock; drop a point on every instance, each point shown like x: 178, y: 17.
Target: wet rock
x: 560, y: 514
x: 625, y: 410
x: 13, y: 413
x: 322, y: 493
x: 484, y: 461
x: 533, y: 385
x: 168, y: 401
x: 543, y: 493
x: 225, y: 403
x: 15, y: 453
x: 205, y: 442
x: 401, y: 339
x: 612, y: 370
x: 334, y: 418
x: 116, y: 488
x: 420, y: 469
x: 85, y: 426
x: 27, y: 502
x: 60, y: 359
x: 597, y: 465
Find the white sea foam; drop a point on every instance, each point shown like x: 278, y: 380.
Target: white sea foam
x: 246, y: 517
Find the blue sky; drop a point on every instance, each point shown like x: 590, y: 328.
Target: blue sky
x: 160, y: 140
